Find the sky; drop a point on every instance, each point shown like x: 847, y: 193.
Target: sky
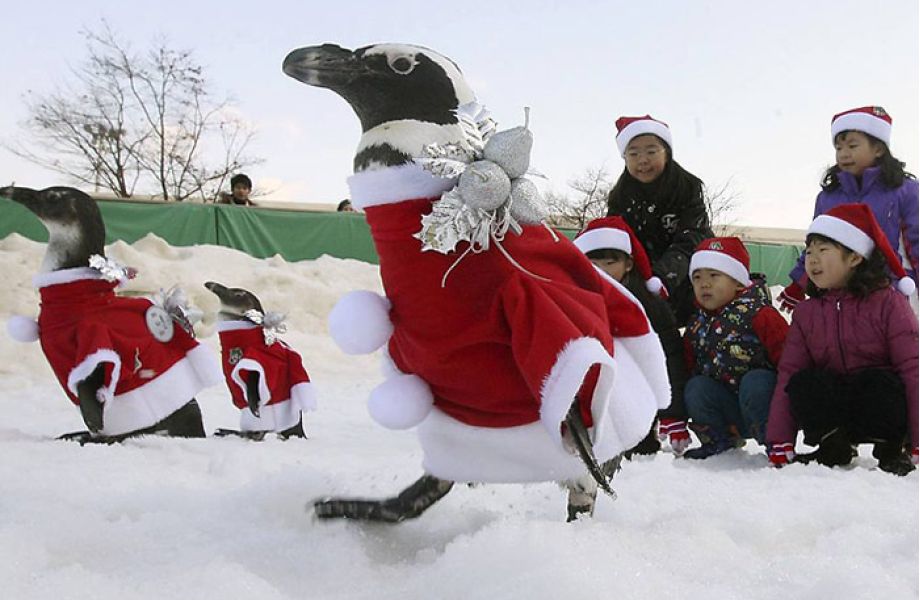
x: 159, y: 518
x: 748, y: 88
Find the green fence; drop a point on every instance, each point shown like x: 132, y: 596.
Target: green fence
x: 295, y: 235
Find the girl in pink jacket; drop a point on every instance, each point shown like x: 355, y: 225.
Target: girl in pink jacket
x: 848, y: 373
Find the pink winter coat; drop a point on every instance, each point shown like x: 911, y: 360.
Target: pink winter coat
x: 843, y: 333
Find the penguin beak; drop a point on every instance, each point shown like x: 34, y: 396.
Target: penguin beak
x: 328, y: 66
x: 25, y: 196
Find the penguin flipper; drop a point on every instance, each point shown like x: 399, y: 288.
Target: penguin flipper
x: 253, y: 399
x: 90, y: 407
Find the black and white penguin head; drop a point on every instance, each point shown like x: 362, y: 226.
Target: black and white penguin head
x: 405, y: 96
x: 234, y: 302
x: 75, y: 227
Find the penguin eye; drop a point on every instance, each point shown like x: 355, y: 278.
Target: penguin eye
x: 403, y: 64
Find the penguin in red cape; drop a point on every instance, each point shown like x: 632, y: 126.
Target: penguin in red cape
x: 130, y: 365
x: 513, y: 357
x: 265, y: 376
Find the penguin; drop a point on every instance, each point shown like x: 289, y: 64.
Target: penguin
x: 265, y: 376
x: 507, y: 368
x: 122, y: 361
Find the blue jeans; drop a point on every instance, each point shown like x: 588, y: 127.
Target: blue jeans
x: 712, y: 404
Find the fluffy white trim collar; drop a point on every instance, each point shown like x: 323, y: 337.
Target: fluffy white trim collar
x: 395, y: 184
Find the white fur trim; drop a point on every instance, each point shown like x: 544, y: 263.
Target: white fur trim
x: 304, y: 396
x: 648, y: 353
x: 22, y: 329
x: 162, y: 396
x: 247, y: 364
x: 719, y: 261
x: 607, y: 237
x: 565, y: 379
x: 360, y: 322
x: 235, y: 325
x: 622, y: 289
x: 642, y: 127
x: 89, y: 364
x: 844, y: 232
x: 40, y: 280
x: 400, y: 402
x: 275, y: 417
x: 395, y: 184
x: 907, y: 286
x: 864, y: 122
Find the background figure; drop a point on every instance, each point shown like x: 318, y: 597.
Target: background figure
x: 848, y: 374
x: 345, y: 206
x: 662, y: 203
x: 865, y: 172
x: 240, y: 188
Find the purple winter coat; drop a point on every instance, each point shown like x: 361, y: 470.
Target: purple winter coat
x: 843, y: 333
x: 895, y: 209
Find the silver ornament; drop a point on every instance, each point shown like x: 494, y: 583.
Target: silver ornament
x: 484, y: 185
x: 527, y: 205
x: 510, y: 149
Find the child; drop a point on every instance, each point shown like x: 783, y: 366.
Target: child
x: 612, y: 246
x: 733, y: 343
x: 849, y: 371
x: 865, y: 173
x: 662, y: 203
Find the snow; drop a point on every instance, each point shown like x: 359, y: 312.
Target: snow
x: 226, y: 518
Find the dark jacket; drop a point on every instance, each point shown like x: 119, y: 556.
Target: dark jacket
x: 665, y: 325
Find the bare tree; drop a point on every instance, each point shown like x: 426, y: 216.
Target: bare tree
x: 589, y: 201
x: 721, y: 201
x: 132, y: 123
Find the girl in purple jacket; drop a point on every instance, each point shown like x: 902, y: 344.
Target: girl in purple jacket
x: 866, y: 173
x: 848, y: 373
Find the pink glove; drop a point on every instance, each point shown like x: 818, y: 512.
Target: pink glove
x: 676, y: 432
x: 781, y: 455
x: 913, y: 455
x: 790, y: 296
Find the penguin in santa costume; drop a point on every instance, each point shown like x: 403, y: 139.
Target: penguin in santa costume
x: 132, y: 366
x: 515, y: 359
x: 265, y: 376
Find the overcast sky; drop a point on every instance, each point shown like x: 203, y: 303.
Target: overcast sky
x: 748, y: 88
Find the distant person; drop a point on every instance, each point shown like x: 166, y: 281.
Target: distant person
x: 866, y: 173
x: 734, y: 342
x: 240, y: 188
x: 848, y: 374
x: 612, y: 246
x: 662, y: 203
x: 345, y: 206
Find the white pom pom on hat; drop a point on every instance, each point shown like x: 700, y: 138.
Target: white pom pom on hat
x: 400, y: 402
x: 360, y: 322
x: 22, y: 329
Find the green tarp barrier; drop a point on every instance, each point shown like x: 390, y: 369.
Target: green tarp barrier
x: 295, y: 235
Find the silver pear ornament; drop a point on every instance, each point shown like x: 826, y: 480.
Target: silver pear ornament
x: 510, y: 149
x: 527, y: 205
x: 484, y: 184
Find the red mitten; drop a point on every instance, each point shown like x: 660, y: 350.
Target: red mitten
x: 913, y: 455
x: 676, y: 432
x: 781, y: 454
x: 790, y: 296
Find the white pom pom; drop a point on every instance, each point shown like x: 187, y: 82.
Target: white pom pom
x: 907, y: 286
x: 22, y: 329
x: 400, y: 402
x: 654, y: 285
x: 360, y: 322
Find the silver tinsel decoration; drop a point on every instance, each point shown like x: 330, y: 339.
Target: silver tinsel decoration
x: 272, y: 323
x: 110, y: 269
x: 175, y: 303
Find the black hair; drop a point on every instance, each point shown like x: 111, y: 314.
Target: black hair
x: 868, y: 276
x: 241, y: 178
x: 343, y: 205
x: 632, y: 280
x: 891, y: 170
x: 684, y: 185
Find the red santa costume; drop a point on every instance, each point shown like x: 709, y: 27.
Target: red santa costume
x: 284, y: 385
x: 489, y: 364
x: 83, y: 324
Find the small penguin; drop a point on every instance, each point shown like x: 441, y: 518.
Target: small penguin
x: 265, y: 376
x: 123, y: 361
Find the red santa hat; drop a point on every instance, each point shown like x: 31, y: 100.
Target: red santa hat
x: 614, y: 233
x: 725, y: 254
x: 872, y: 120
x: 630, y: 127
x: 854, y: 226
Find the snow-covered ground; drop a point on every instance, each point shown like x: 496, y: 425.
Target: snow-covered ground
x: 225, y: 518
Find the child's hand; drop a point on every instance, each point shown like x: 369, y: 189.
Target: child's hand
x: 781, y: 455
x: 676, y: 432
x: 913, y: 455
x: 790, y: 296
